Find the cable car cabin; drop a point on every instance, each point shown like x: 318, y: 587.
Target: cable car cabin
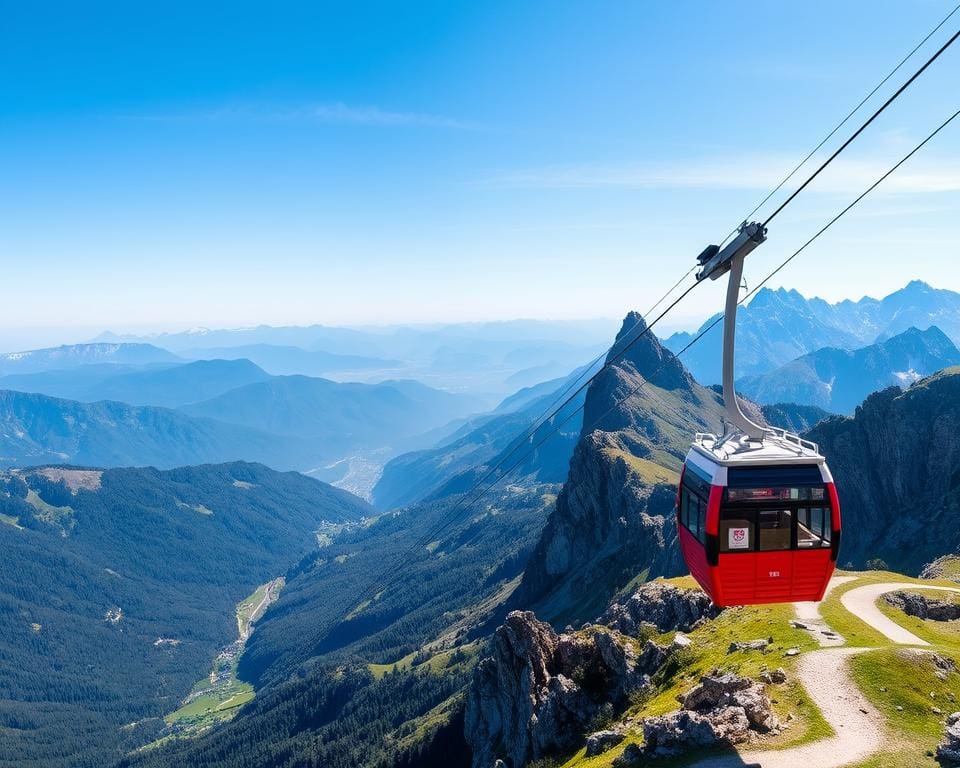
x: 758, y: 522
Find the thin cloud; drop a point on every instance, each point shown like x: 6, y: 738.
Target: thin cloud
x: 333, y: 113
x: 344, y: 114
x: 843, y: 176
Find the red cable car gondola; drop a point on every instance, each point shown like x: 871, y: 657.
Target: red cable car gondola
x: 758, y: 517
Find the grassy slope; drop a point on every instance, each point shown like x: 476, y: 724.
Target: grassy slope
x: 913, y: 732
x: 709, y: 650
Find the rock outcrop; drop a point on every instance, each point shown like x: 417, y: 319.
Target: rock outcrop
x: 663, y: 605
x: 540, y: 691
x: 944, y: 567
x: 949, y: 750
x: 614, y: 517
x: 723, y: 709
x: 924, y: 607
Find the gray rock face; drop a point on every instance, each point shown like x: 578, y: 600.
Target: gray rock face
x: 663, y: 605
x: 539, y: 691
x: 949, y: 750
x: 924, y: 607
x: 896, y: 464
x: 682, y: 731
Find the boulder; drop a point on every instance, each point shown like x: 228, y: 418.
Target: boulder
x: 601, y: 741
x: 775, y: 677
x: 685, y: 730
x: 748, y: 645
x: 721, y: 709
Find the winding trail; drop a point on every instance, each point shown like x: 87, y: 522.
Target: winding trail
x: 860, y: 729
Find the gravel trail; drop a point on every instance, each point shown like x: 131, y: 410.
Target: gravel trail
x: 826, y: 677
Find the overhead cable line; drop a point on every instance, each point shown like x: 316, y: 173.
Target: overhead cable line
x: 843, y: 122
x: 863, y: 127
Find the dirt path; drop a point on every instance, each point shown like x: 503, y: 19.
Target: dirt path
x: 825, y: 676
x: 862, y: 602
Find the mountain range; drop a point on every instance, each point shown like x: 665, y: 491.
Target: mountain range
x: 287, y: 422
x: 367, y: 653
x: 118, y: 589
x: 778, y: 326
x: 76, y: 355
x: 838, y: 380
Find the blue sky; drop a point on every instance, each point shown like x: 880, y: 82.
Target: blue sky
x: 169, y: 165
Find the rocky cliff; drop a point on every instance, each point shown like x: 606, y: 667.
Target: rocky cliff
x: 539, y: 692
x: 897, y: 467
x: 613, y: 519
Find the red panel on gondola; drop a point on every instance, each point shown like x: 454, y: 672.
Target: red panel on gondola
x: 753, y: 534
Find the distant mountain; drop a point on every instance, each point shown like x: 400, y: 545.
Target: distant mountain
x: 406, y: 342
x: 75, y: 355
x: 333, y: 339
x: 343, y: 416
x: 177, y: 385
x: 118, y: 588
x: 476, y: 357
x: 164, y: 385
x: 38, y: 429
x: 465, y: 457
x: 897, y: 467
x: 838, y: 380
x: 530, y: 377
x: 286, y: 360
x: 792, y: 417
x: 778, y: 326
x: 917, y: 305
x: 774, y: 328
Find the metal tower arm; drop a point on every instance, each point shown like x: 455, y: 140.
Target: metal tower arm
x: 716, y: 263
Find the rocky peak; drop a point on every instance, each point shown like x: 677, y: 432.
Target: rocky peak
x: 639, y: 352
x: 614, y: 516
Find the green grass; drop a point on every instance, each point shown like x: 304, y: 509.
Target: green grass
x: 213, y: 704
x: 948, y: 567
x: 208, y: 709
x: 905, y: 677
x: 58, y: 517
x: 436, y: 663
x: 649, y: 471
x: 709, y: 651
x: 11, y: 521
x: 945, y: 635
x: 906, y: 674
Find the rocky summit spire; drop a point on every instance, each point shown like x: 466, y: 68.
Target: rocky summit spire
x: 639, y: 350
x: 635, y: 359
